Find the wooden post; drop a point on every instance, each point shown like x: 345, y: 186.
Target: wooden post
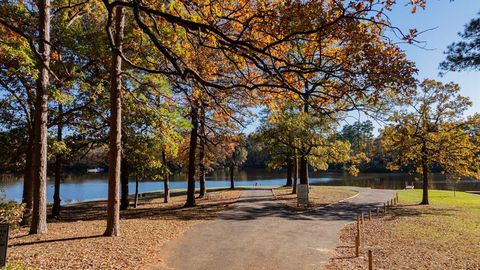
x: 384, y: 209
x: 357, y: 246
x: 378, y: 212
x: 362, y: 218
x: 396, y: 197
x: 370, y: 260
x: 358, y: 227
x: 391, y: 203
x: 4, y: 229
x: 369, y: 214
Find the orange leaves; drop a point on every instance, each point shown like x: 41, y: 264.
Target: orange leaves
x: 54, y: 56
x: 412, y: 34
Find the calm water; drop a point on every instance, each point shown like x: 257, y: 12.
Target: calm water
x: 92, y: 186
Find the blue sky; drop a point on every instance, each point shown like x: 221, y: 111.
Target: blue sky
x: 448, y: 18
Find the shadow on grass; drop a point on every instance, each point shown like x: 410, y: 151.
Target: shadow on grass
x: 415, y: 210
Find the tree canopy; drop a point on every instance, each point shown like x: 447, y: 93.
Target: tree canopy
x: 432, y: 131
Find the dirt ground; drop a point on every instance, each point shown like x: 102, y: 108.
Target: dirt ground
x: 318, y: 196
x: 76, y: 242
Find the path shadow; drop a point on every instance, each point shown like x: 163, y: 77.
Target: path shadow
x: 53, y: 240
x: 263, y: 208
x: 149, y: 208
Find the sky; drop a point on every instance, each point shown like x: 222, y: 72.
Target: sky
x: 448, y: 18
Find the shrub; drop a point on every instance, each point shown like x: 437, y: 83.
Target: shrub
x: 11, y: 212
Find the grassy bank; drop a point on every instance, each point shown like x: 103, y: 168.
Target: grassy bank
x: 442, y: 235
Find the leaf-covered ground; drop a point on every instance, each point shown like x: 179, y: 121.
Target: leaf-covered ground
x: 318, y: 196
x: 76, y: 242
x: 444, y: 235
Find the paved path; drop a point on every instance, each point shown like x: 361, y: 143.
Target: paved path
x: 260, y: 233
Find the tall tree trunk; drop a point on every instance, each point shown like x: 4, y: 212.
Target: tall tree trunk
x: 27, y: 198
x: 232, y: 169
x: 295, y: 175
x: 166, y: 181
x: 232, y: 173
x: 136, y: 192
x: 303, y: 170
x: 201, y: 166
x: 425, y: 174
x: 58, y: 168
x: 191, y: 158
x: 39, y: 213
x: 124, y: 177
x: 115, y: 144
x: 289, y: 172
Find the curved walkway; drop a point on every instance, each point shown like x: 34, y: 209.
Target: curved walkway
x: 260, y: 233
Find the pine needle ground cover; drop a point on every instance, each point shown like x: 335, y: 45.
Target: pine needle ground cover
x: 443, y: 235
x: 76, y: 242
x: 318, y: 196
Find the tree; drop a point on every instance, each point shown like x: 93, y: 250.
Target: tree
x: 359, y: 134
x: 191, y: 157
x: 115, y: 155
x: 351, y: 69
x: 253, y: 52
x: 39, y: 214
x: 17, y: 111
x: 28, y: 26
x: 279, y: 146
x: 248, y: 42
x: 464, y: 55
x: 257, y: 156
x: 202, y: 167
x: 305, y: 136
x: 238, y: 156
x: 432, y: 131
x: 248, y: 37
x: 152, y: 129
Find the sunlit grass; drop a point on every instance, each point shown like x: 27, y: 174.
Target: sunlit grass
x: 443, y: 198
x: 451, y: 220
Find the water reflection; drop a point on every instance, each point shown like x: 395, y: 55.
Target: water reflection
x: 94, y: 186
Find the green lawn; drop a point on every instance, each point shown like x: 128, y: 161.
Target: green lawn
x: 443, y: 198
x: 451, y: 223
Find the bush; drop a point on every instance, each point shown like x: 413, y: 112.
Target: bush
x: 11, y: 212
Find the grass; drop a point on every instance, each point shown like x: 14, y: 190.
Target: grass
x: 442, y: 235
x: 443, y: 198
x: 449, y: 217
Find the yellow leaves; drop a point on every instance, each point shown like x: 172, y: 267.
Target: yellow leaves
x: 58, y: 147
x: 433, y: 132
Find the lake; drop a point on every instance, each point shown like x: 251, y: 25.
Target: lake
x: 77, y: 188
